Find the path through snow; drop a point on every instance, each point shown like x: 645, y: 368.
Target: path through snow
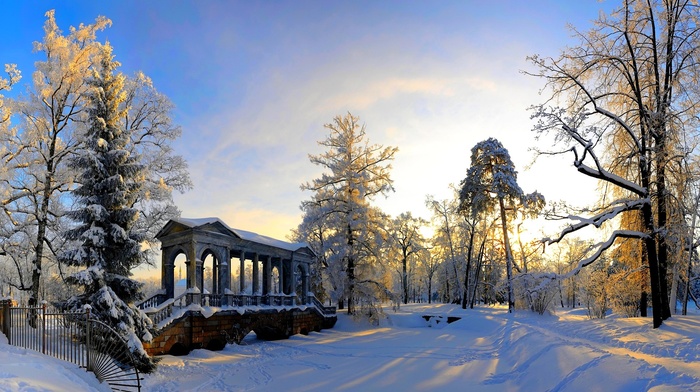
x: 487, y: 350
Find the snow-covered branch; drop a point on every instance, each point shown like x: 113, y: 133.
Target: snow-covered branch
x: 547, y: 278
x: 600, y: 218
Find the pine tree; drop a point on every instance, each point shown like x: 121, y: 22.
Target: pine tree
x: 106, y: 244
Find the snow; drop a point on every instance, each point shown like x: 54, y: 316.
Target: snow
x: 27, y: 370
x: 486, y: 350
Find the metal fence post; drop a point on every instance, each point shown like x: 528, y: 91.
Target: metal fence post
x: 6, y: 319
x: 43, y: 327
x: 87, y: 338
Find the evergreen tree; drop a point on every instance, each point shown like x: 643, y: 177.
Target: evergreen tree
x: 356, y: 173
x: 106, y: 244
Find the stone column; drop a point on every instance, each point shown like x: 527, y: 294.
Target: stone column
x: 256, y: 277
x: 200, y: 275
x: 305, y: 285
x: 241, y: 276
x: 225, y: 271
x: 168, y: 280
x: 191, y: 265
x: 214, y: 275
x: 167, y: 277
x: 267, y: 275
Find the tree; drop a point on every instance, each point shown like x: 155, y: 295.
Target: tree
x: 635, y: 76
x: 105, y: 242
x: 50, y: 127
x: 445, y: 217
x: 492, y: 178
x: 357, y: 172
x: 429, y: 266
x: 5, y: 85
x: 406, y: 242
x: 51, y: 122
x: 147, y: 119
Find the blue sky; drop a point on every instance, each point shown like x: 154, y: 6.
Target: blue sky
x: 254, y: 82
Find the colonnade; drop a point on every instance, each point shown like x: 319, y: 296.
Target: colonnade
x: 201, y: 238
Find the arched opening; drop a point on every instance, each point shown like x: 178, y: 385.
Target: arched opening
x: 235, y: 268
x: 275, y: 289
x: 178, y: 349
x: 210, y: 274
x: 238, y: 268
x: 180, y: 272
x: 216, y: 344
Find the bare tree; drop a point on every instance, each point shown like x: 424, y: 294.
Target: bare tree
x: 634, y: 74
x: 407, y: 243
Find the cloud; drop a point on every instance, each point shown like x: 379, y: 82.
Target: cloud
x: 432, y: 98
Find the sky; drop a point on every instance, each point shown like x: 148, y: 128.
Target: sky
x: 254, y: 82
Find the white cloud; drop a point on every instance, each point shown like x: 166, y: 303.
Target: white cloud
x: 434, y: 108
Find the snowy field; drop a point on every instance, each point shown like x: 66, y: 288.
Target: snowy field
x: 487, y: 350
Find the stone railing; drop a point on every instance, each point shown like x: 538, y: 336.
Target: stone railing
x: 326, y: 311
x: 158, y: 309
x: 164, y: 310
x: 155, y: 300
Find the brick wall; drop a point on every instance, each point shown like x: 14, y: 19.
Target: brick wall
x: 193, y: 330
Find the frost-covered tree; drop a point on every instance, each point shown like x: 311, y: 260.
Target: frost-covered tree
x: 356, y: 172
x: 444, y: 242
x: 147, y: 118
x: 406, y: 242
x: 5, y: 85
x: 633, y: 75
x: 49, y: 127
x: 50, y: 119
x: 492, y: 180
x: 106, y: 245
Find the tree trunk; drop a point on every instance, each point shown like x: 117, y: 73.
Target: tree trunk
x: 479, y: 262
x: 404, y: 277
x: 351, y: 273
x: 661, y: 211
x: 650, y: 247
x: 465, y: 295
x: 509, y: 257
x: 42, y: 223
x: 674, y: 289
x: 691, y: 241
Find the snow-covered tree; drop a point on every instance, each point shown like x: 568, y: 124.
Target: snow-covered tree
x: 356, y: 173
x: 5, y: 85
x: 106, y: 244
x: 50, y: 119
x: 492, y: 180
x: 148, y: 120
x: 49, y: 127
x: 406, y: 243
x: 633, y: 75
x: 444, y: 242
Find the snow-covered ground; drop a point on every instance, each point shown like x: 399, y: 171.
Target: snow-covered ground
x: 28, y: 371
x: 487, y: 350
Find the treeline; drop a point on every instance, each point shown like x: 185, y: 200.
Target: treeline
x: 623, y: 103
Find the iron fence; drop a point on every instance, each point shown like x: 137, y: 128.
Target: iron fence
x: 72, y: 337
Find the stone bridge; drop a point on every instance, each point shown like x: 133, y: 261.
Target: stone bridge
x: 271, y: 296
x: 193, y: 330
